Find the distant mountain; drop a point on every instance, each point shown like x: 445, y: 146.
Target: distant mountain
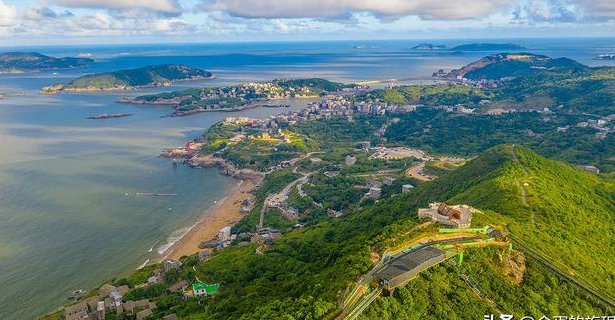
x: 488, y: 47
x: 150, y: 76
x: 365, y: 47
x: 505, y: 65
x: 20, y: 62
x: 429, y: 46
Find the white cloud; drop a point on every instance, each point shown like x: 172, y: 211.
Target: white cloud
x: 595, y: 9
x: 426, y: 9
x: 550, y: 11
x: 162, y: 6
x: 8, y: 15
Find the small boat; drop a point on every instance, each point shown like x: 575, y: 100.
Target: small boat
x: 76, y: 294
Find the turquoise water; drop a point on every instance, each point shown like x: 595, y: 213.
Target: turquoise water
x: 69, y: 216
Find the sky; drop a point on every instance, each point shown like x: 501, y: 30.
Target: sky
x: 33, y: 22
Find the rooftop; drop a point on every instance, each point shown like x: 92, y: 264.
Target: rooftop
x: 209, y: 288
x: 408, y: 262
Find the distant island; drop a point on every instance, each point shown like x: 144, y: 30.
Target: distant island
x: 488, y: 47
x: 430, y: 46
x: 507, y: 65
x: 240, y: 97
x: 365, y: 47
x: 110, y: 116
x: 150, y: 76
x: 610, y: 56
x: 23, y: 62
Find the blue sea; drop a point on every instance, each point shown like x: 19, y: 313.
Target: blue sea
x: 69, y: 216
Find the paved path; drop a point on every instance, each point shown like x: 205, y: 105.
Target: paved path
x: 522, y: 186
x: 414, y: 172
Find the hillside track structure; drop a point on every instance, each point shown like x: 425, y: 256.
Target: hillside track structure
x: 409, y: 260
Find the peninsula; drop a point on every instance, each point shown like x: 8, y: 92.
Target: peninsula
x: 505, y: 65
x: 123, y: 80
x: 241, y: 97
x: 23, y: 62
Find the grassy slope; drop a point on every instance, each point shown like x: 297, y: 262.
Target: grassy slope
x: 574, y: 220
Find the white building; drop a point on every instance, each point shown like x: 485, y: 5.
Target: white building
x: 225, y: 234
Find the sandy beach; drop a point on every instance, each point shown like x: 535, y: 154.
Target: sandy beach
x: 226, y: 214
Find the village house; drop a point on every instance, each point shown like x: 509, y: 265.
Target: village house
x: 144, y: 314
x: 225, y: 234
x: 172, y: 264
x: 350, y: 160
x: 374, y: 193
x: 201, y: 289
x: 178, y: 286
x: 406, y: 188
x: 171, y: 316
x: 77, y: 312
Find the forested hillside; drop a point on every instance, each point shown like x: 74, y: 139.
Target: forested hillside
x: 304, y: 274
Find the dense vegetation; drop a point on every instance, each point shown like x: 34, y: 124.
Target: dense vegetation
x: 443, y: 94
x: 303, y: 274
x: 563, y: 211
x: 506, y: 65
x: 33, y: 61
x: 441, y: 293
x: 460, y: 134
x: 338, y: 132
x: 589, y: 91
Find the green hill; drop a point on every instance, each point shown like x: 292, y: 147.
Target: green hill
x: 505, y: 65
x: 150, y: 76
x: 18, y: 62
x: 566, y: 214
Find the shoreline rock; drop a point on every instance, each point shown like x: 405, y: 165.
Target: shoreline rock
x: 224, y: 167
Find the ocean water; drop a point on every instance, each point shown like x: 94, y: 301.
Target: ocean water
x: 69, y: 214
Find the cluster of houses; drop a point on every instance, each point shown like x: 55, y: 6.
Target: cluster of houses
x: 111, y: 298
x: 396, y: 153
x: 255, y: 90
x: 225, y: 238
x: 458, y: 79
x: 601, y: 125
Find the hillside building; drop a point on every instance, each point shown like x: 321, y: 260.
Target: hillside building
x: 399, y: 272
x: 459, y: 216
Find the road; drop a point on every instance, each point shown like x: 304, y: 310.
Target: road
x: 415, y: 170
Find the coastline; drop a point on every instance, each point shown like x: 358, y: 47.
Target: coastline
x: 226, y: 213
